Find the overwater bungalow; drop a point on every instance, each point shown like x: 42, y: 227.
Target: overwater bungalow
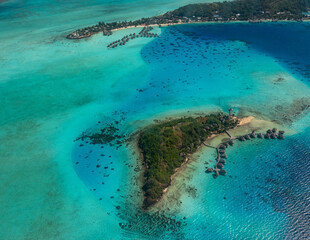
x: 241, y: 138
x: 267, y: 136
x: 269, y: 131
x: 281, y: 132
x: 274, y: 130
x: 223, y: 155
x: 247, y: 137
x: 280, y: 136
x: 260, y: 135
x: 230, y: 142
x: 223, y: 161
x: 219, y: 165
x: 272, y: 136
x: 253, y: 135
x: 221, y: 151
x: 222, y: 147
x: 216, y: 172
x: 223, y: 172
x: 209, y: 170
x: 143, y: 33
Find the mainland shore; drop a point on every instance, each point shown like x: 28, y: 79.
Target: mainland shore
x: 222, y: 12
x: 189, y: 23
x: 211, y: 22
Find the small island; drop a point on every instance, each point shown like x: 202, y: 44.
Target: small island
x: 254, y: 11
x: 166, y: 146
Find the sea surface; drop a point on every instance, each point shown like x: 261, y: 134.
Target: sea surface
x: 52, y: 90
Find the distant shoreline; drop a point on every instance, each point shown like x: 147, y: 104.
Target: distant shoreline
x: 211, y: 22
x: 220, y: 12
x: 188, y: 23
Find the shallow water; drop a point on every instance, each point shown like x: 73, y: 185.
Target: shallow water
x: 53, y: 89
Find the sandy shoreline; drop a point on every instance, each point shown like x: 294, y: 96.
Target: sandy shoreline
x: 246, y: 120
x: 172, y: 24
x: 211, y: 22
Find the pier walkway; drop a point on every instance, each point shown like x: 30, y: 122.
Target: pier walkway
x: 230, y: 136
x: 218, y: 154
x: 207, y: 145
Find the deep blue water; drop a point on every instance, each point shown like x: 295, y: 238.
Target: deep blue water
x: 286, y: 42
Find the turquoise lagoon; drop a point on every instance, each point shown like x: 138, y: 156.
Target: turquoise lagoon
x: 53, y: 89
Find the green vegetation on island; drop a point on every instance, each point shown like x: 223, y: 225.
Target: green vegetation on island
x: 246, y: 10
x: 167, y: 145
x: 236, y: 10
